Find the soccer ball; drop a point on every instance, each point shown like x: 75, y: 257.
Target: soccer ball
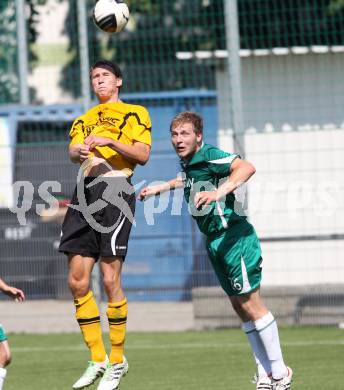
x: 111, y: 16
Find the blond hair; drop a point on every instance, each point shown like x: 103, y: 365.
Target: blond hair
x: 188, y: 117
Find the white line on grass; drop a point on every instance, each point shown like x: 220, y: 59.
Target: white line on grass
x: 82, y: 347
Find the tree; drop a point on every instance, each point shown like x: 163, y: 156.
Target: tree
x: 146, y: 49
x: 71, y: 77
x: 336, y: 6
x: 158, y: 29
x: 8, y: 53
x: 9, y: 81
x: 272, y: 23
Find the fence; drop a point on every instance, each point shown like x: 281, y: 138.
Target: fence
x: 160, y: 261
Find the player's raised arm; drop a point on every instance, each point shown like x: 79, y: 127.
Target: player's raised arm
x: 160, y: 188
x: 240, y: 172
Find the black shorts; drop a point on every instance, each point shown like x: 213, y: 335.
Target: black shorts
x: 101, y: 225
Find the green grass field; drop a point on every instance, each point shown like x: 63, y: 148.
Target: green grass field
x: 209, y: 360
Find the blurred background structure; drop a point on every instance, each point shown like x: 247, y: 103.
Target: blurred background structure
x: 266, y: 75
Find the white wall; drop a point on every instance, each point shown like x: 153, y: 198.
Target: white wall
x: 298, y: 187
x: 296, y: 92
x: 303, y: 263
x: 297, y: 191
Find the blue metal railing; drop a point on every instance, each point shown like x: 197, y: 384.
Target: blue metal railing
x: 71, y: 111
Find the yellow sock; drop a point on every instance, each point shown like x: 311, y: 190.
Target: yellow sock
x: 117, y: 316
x: 87, y: 315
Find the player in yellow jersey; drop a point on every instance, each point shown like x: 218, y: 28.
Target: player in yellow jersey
x: 107, y: 141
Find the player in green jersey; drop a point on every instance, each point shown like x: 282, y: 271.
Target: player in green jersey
x: 209, y: 177
x: 5, y: 351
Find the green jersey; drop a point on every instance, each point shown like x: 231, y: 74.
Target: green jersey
x: 3, y: 336
x: 232, y: 243
x: 204, y: 172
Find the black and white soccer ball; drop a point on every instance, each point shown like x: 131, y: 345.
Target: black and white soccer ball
x: 111, y: 16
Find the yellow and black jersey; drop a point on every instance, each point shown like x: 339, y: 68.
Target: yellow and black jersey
x: 119, y: 121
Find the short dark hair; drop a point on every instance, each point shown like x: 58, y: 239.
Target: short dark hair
x: 110, y: 66
x: 188, y: 117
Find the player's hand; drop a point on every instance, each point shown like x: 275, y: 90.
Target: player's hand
x: 147, y: 192
x: 204, y: 198
x: 92, y: 141
x: 84, y: 152
x: 15, y: 293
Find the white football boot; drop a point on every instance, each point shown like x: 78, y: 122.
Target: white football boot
x: 113, y: 375
x: 93, y: 371
x: 284, y: 383
x: 263, y: 383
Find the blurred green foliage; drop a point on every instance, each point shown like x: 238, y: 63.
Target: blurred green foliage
x: 158, y: 29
